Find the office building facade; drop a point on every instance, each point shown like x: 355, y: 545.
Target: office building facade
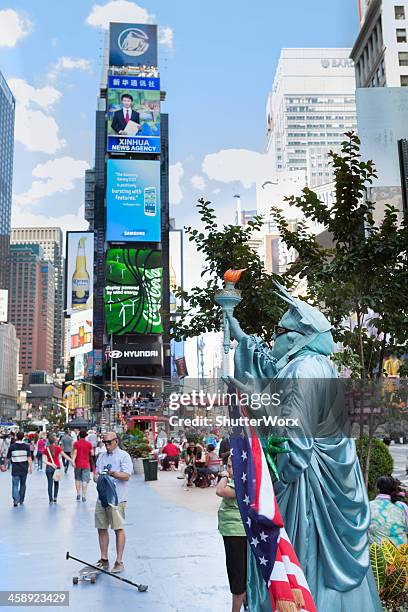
x: 310, y: 107
x: 31, y: 307
x: 7, y: 112
x: 51, y: 240
x: 9, y: 354
x: 380, y: 52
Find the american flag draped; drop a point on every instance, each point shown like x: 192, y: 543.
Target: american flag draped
x: 267, y: 538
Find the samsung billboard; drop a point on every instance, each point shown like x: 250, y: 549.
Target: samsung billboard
x: 133, y: 201
x: 133, y: 115
x: 132, y: 44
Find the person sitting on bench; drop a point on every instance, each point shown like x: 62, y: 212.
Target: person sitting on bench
x: 172, y: 453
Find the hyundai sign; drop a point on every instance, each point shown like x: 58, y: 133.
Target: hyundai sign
x: 132, y: 45
x: 142, y: 354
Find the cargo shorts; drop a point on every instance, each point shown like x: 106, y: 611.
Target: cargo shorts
x: 112, y: 516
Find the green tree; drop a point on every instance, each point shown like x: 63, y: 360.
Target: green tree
x: 361, y: 280
x: 223, y: 248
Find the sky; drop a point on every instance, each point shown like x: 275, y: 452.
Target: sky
x: 217, y: 61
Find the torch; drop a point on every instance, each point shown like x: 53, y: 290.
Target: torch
x: 228, y: 297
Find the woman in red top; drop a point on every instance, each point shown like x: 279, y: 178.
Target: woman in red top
x: 52, y: 454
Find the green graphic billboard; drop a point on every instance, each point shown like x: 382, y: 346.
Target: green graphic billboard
x: 133, y: 291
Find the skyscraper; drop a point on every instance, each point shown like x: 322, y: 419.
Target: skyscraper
x: 31, y: 307
x: 310, y: 107
x: 7, y: 111
x: 380, y: 52
x: 51, y: 240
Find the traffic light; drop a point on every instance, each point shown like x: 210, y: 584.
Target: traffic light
x: 116, y: 385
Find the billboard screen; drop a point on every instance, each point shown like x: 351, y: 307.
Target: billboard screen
x: 133, y: 115
x: 81, y: 332
x: 133, y: 201
x: 79, y: 366
x: 3, y: 305
x: 147, y: 353
x: 79, y: 271
x: 132, y: 44
x: 133, y: 291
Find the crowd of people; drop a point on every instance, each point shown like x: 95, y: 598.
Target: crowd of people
x: 203, y: 460
x: 88, y: 452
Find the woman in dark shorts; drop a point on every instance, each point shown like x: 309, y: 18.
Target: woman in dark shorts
x: 235, y: 542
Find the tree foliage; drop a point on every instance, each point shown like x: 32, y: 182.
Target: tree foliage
x: 361, y: 280
x: 223, y: 248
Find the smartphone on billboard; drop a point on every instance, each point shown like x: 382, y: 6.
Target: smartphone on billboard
x: 150, y: 201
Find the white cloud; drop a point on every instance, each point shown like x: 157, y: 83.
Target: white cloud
x: 54, y: 176
x: 231, y: 165
x: 176, y: 174
x: 25, y: 94
x: 120, y: 11
x: 165, y: 36
x: 23, y: 218
x: 68, y: 63
x: 13, y: 27
x: 123, y: 11
x: 198, y: 182
x: 35, y: 129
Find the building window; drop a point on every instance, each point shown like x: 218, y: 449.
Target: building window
x: 401, y: 35
x: 399, y: 12
x: 404, y: 80
x: 403, y: 58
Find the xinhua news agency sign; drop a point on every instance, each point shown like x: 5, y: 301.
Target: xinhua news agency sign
x: 136, y: 354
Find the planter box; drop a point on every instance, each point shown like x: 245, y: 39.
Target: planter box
x: 138, y: 466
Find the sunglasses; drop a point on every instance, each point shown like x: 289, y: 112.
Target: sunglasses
x: 279, y: 331
x: 110, y: 441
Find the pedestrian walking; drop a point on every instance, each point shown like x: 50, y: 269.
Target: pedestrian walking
x: 117, y: 464
x: 41, y: 444
x: 53, y: 469
x: 19, y: 454
x: 67, y: 442
x: 81, y: 457
x: 235, y: 542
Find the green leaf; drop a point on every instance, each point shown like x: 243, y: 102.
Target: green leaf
x: 378, y: 564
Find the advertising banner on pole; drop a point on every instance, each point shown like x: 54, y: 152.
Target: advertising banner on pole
x: 79, y: 271
x: 133, y: 115
x: 133, y: 292
x: 133, y: 201
x: 132, y: 44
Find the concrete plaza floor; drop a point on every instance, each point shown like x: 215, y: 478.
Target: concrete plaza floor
x: 173, y: 546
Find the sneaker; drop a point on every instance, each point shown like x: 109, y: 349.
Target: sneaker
x: 15, y: 504
x: 78, y: 498
x: 54, y: 501
x: 84, y: 499
x: 103, y: 564
x: 117, y: 568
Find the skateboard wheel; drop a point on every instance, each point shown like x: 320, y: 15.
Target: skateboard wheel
x: 75, y: 580
x: 93, y: 579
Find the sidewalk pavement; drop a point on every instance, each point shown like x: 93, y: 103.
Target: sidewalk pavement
x: 173, y: 546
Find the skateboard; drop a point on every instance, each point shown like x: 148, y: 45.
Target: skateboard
x: 86, y: 574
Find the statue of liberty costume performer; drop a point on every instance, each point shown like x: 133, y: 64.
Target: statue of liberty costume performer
x: 320, y: 492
